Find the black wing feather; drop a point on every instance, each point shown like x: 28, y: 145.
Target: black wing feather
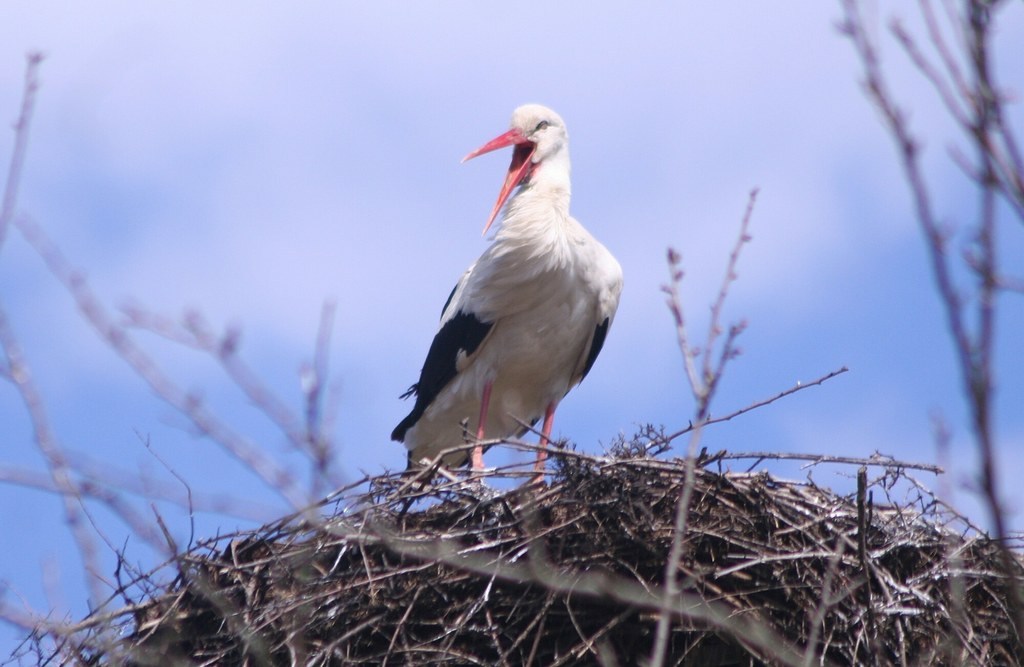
x: 448, y: 301
x: 600, y: 333
x: 463, y: 334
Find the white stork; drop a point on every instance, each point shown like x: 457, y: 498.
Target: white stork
x: 526, y: 321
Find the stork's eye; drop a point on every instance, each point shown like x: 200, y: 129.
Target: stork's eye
x: 541, y: 125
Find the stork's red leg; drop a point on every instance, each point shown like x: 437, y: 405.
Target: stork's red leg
x: 478, y: 451
x: 545, y: 438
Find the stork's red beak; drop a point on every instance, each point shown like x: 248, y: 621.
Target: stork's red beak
x: 517, y: 171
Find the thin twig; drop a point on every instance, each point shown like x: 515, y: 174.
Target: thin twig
x: 314, y: 384
x: 190, y: 504
x: 703, y: 390
x: 53, y: 454
x: 196, y: 333
x: 712, y: 376
x: 189, y: 405
x: 21, y: 127
x: 17, y: 369
x: 758, y: 404
x: 863, y: 523
x: 999, y: 172
x: 815, y: 459
x: 824, y: 604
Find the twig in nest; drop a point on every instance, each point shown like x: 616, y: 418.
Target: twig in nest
x: 815, y: 459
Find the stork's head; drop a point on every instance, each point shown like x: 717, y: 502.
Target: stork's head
x: 539, y: 135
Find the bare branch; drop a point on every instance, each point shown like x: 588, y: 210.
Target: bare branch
x: 21, y: 127
x: 799, y: 386
x: 998, y: 173
x: 17, y: 369
x: 675, y: 305
x: 248, y: 453
x: 711, y: 376
x: 703, y: 389
x: 314, y: 384
x: 52, y: 453
x: 816, y: 459
x: 195, y: 332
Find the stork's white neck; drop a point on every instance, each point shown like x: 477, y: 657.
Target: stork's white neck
x: 544, y: 201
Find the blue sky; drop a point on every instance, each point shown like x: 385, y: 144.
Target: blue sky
x: 254, y: 160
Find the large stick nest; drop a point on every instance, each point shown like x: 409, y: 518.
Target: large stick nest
x: 455, y: 573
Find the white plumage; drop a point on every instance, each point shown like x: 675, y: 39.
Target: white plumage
x: 525, y: 322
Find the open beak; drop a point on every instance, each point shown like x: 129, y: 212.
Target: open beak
x: 517, y: 171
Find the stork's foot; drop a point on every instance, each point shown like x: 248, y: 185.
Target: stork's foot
x: 539, y: 472
x: 476, y: 458
x: 540, y: 465
x: 545, y: 439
